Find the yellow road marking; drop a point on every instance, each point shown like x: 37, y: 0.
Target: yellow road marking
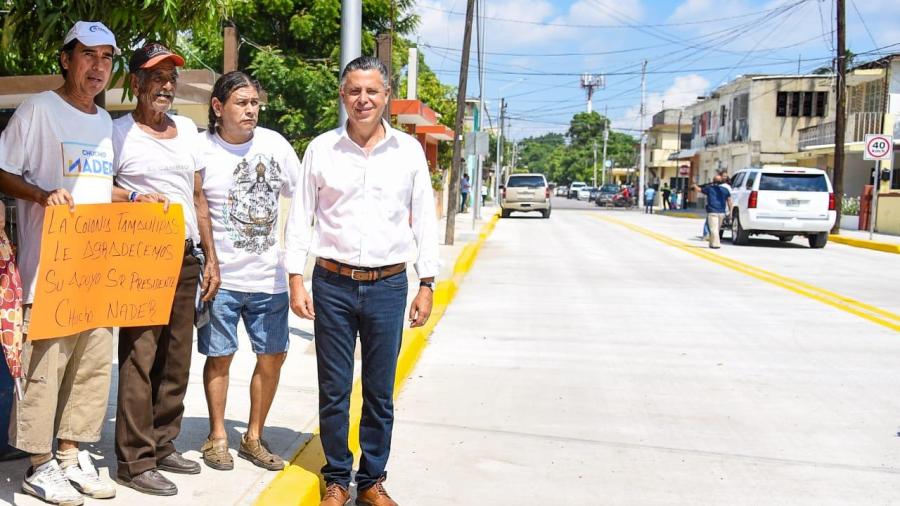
x: 844, y: 303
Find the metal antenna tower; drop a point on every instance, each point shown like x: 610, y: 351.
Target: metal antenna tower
x: 590, y: 82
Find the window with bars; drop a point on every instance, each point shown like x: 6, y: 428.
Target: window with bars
x: 807, y: 104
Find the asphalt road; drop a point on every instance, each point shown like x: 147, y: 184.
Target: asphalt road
x: 609, y: 357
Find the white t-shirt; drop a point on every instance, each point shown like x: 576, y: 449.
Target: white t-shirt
x: 242, y: 184
x: 146, y: 164
x: 54, y: 145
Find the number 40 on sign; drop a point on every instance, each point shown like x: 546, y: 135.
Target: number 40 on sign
x: 878, y: 147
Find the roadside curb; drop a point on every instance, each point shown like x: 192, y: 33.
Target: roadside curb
x: 678, y: 214
x: 299, y: 483
x: 865, y: 243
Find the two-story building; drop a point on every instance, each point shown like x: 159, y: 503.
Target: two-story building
x: 668, y: 133
x: 754, y: 120
x: 873, y: 107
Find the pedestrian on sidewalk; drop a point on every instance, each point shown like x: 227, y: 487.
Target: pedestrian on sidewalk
x: 649, y: 195
x: 246, y: 169
x: 666, y: 195
x: 360, y: 286
x: 464, y: 188
x: 157, y: 161
x: 67, y: 378
x: 718, y: 204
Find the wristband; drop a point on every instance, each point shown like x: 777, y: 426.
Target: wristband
x: 132, y: 196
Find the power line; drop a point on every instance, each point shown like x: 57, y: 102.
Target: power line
x: 582, y: 25
x: 864, y: 23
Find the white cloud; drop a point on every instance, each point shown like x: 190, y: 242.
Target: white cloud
x: 538, y: 23
x: 598, y: 12
x: 683, y: 91
x: 440, y: 27
x: 693, y: 10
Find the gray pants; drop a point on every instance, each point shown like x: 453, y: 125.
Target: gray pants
x: 714, y: 221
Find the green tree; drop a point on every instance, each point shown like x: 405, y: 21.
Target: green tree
x: 32, y: 32
x: 570, y: 157
x: 293, y: 48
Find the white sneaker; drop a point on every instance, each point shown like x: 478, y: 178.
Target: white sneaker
x: 49, y: 484
x: 84, y: 477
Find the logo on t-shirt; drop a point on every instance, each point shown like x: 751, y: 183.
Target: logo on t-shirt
x: 251, y: 211
x: 81, y: 159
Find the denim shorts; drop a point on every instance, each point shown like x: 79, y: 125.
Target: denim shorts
x: 265, y: 317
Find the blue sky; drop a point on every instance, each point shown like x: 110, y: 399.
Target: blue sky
x: 536, y: 49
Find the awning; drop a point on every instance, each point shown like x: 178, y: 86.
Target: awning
x: 684, y: 154
x: 412, y: 112
x: 435, y: 132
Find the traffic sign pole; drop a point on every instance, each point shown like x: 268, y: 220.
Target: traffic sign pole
x: 878, y: 147
x: 873, y: 213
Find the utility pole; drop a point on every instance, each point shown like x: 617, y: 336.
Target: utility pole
x: 479, y: 168
x: 605, y: 139
x: 453, y: 200
x: 640, y: 188
x: 515, y: 158
x: 840, y: 119
x: 595, y: 163
x: 499, y: 158
x: 351, y: 40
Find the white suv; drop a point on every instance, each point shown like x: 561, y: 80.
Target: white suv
x: 782, y: 201
x: 573, y: 189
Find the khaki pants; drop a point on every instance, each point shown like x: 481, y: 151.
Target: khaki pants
x: 66, y: 389
x: 714, y: 220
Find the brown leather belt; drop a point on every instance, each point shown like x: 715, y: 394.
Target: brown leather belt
x: 360, y: 273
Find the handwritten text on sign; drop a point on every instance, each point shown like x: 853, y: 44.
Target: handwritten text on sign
x: 106, y: 265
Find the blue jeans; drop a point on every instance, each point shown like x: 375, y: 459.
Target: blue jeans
x: 374, y: 310
x: 265, y: 318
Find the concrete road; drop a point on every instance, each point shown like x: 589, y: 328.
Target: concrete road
x: 608, y: 357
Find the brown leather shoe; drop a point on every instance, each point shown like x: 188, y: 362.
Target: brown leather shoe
x: 335, y: 495
x: 375, y: 495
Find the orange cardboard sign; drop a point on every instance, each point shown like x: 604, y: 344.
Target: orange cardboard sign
x: 106, y: 265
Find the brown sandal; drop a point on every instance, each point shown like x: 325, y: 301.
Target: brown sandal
x: 256, y: 451
x: 216, y: 456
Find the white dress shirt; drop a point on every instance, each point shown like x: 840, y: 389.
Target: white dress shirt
x: 363, y: 209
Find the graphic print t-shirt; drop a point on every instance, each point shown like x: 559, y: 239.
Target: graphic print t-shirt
x: 243, y: 184
x: 54, y: 145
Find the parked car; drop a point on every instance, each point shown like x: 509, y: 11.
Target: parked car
x: 573, y: 189
x: 584, y: 193
x: 525, y: 192
x: 784, y: 202
x: 605, y: 194
x: 593, y: 195
x: 562, y: 191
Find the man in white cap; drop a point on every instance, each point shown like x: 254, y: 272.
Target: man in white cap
x: 57, y: 150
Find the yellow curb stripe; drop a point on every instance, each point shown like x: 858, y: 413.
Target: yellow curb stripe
x: 864, y: 243
x: 847, y: 304
x: 681, y: 215
x: 299, y: 484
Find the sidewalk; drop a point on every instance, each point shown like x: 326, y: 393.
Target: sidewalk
x: 291, y: 422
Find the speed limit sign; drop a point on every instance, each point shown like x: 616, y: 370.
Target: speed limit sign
x: 878, y: 147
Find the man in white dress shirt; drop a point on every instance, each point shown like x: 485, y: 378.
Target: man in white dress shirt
x: 364, y: 208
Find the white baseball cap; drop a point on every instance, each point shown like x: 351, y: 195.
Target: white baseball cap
x: 92, y: 33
